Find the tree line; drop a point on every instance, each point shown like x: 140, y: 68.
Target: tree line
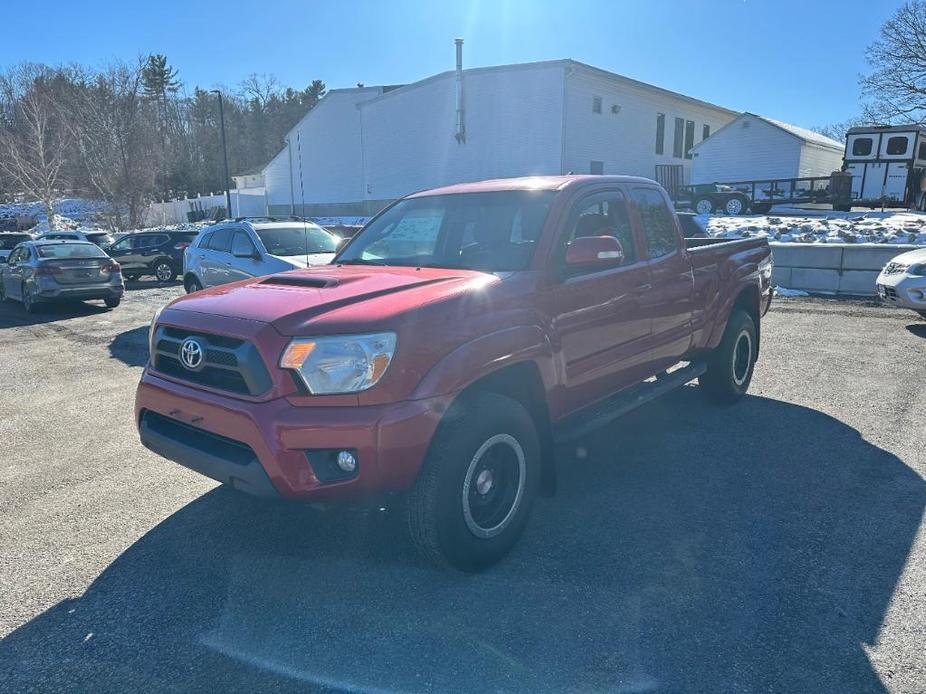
x: 129, y: 132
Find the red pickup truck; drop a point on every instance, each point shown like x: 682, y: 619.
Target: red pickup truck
x: 448, y: 347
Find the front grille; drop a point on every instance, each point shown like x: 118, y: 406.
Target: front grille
x: 890, y: 292
x: 229, y: 364
x: 205, y: 441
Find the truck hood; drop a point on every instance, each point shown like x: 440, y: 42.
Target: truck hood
x: 305, y: 260
x: 911, y: 257
x: 341, y: 297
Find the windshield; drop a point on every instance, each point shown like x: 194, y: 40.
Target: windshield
x: 70, y: 250
x: 300, y: 240
x: 477, y: 231
x: 9, y: 241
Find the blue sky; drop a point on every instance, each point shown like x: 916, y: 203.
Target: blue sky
x: 794, y: 60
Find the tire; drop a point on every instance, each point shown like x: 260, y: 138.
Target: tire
x: 731, y: 364
x: 475, y: 490
x: 164, y: 271
x: 112, y: 303
x: 922, y: 313
x: 2, y: 292
x: 192, y: 284
x: 736, y: 205
x: 29, y: 303
x: 704, y: 205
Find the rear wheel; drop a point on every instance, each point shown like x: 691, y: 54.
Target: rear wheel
x: 164, y: 271
x: 191, y: 284
x: 704, y: 205
x: 477, y: 485
x: 29, y: 303
x: 112, y: 302
x: 730, y: 366
x: 736, y: 205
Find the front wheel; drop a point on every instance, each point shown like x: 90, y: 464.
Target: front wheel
x: 477, y: 485
x: 730, y: 366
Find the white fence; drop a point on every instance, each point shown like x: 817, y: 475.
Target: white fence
x: 248, y: 202
x: 832, y: 268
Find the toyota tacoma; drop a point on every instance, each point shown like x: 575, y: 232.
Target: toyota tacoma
x: 448, y: 347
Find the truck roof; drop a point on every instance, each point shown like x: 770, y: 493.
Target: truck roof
x: 527, y: 183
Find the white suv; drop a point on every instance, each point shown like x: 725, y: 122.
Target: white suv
x: 244, y: 248
x: 902, y: 282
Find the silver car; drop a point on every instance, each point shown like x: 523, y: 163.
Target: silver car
x: 902, y: 282
x: 45, y: 271
x: 244, y: 248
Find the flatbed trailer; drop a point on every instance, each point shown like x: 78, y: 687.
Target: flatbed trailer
x: 739, y: 197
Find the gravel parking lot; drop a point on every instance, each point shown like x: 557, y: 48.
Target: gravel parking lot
x: 772, y: 546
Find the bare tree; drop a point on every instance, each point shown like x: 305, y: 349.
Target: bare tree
x: 34, y: 142
x: 115, y: 137
x: 897, y: 82
x: 837, y: 131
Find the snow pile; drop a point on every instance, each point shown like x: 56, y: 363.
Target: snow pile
x: 784, y: 291
x: 830, y: 227
x: 70, y: 213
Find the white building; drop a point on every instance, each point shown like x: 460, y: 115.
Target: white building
x: 252, y: 178
x: 753, y: 147
x: 360, y: 148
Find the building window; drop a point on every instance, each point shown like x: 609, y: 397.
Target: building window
x: 660, y: 133
x: 705, y: 132
x: 677, y: 147
x: 597, y: 167
x: 596, y: 104
x: 689, y: 138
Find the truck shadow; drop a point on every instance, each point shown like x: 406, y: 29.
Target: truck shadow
x: 689, y: 547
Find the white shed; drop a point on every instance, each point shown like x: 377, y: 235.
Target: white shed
x: 756, y: 148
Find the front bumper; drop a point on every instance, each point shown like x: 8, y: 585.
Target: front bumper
x: 903, y: 291
x: 261, y: 447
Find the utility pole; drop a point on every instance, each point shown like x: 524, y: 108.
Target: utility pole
x: 224, y: 152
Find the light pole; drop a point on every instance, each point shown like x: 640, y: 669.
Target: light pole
x: 224, y: 152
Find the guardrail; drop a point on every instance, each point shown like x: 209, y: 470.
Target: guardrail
x: 832, y: 268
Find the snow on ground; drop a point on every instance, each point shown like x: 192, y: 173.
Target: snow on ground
x: 823, y: 227
x: 70, y: 213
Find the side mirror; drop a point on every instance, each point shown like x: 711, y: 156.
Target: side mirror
x: 253, y: 255
x: 594, y: 252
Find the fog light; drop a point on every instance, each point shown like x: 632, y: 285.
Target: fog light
x: 346, y: 461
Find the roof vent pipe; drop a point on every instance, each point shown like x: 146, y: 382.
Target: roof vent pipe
x: 460, y: 134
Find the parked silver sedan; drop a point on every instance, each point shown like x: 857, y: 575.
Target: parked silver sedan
x: 45, y: 271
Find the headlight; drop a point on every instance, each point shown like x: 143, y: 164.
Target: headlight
x: 151, y: 329
x: 917, y: 270
x: 341, y: 363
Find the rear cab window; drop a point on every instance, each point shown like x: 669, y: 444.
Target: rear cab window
x: 658, y: 224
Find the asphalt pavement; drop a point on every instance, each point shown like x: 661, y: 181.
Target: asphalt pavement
x: 775, y: 545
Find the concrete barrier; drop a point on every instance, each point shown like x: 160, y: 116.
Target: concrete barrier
x: 832, y: 268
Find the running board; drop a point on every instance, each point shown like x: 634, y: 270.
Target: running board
x: 608, y: 410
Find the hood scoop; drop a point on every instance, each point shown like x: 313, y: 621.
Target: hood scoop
x: 298, y: 280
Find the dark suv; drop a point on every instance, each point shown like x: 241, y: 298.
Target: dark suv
x: 158, y: 253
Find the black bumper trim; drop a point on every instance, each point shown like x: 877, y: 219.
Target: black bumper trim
x: 223, y: 459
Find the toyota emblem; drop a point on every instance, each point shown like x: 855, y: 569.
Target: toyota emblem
x: 191, y: 354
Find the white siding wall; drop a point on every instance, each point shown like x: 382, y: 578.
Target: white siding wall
x: 745, y: 152
x: 626, y: 141
x: 513, y: 128
x: 819, y: 161
x: 326, y: 153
